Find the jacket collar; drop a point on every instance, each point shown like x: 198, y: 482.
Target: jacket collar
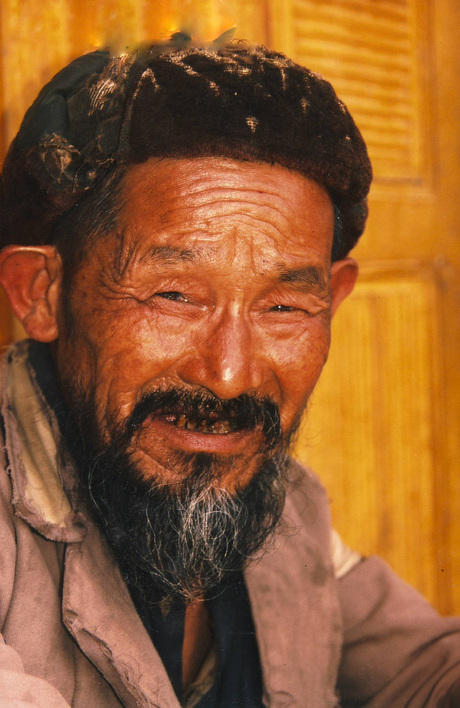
x: 96, y: 607
x: 293, y: 596
x: 38, y: 467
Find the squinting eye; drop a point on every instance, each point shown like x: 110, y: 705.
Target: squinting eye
x: 281, y: 308
x: 173, y: 295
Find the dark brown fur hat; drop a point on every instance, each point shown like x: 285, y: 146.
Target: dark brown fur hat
x: 238, y: 102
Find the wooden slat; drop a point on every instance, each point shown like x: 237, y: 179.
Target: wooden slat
x: 348, y: 33
x: 358, y: 17
x: 351, y: 50
x: 335, y: 70
x: 392, y: 10
x: 367, y: 50
x: 350, y: 86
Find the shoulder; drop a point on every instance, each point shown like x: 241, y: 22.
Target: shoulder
x: 397, y: 650
x: 307, y: 504
x: 6, y: 490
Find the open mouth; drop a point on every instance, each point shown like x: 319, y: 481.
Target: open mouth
x: 196, y: 421
x: 209, y: 425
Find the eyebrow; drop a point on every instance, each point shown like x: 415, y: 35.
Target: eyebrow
x: 310, y: 277
x: 157, y: 255
x: 304, y: 278
x: 171, y: 255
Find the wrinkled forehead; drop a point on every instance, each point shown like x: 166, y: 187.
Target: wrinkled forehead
x: 178, y: 202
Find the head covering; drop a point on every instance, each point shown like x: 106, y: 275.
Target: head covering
x: 99, y: 113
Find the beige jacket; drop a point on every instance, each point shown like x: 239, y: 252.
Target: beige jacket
x: 73, y: 637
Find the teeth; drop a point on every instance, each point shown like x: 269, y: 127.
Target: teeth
x: 181, y: 421
x: 170, y: 417
x: 221, y: 427
x: 205, y: 425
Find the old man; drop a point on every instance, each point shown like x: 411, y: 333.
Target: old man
x: 175, y: 226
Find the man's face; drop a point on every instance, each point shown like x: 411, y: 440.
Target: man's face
x: 216, y: 281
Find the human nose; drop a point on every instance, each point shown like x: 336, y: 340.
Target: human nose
x: 226, y: 360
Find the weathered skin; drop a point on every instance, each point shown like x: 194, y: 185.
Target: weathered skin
x: 218, y: 277
x: 193, y: 291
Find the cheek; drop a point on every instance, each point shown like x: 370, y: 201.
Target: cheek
x: 117, y: 352
x: 298, y: 367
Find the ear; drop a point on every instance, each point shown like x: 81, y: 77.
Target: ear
x: 31, y: 277
x: 343, y: 278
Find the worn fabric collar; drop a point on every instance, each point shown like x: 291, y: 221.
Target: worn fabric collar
x: 43, y: 478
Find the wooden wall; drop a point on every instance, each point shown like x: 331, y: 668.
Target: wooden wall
x: 383, y: 428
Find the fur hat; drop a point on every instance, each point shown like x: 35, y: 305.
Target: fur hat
x: 244, y: 103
